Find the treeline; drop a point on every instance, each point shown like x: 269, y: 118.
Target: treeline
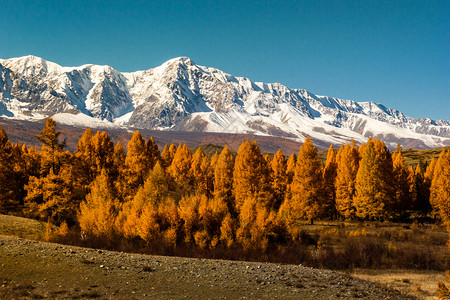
x: 174, y: 198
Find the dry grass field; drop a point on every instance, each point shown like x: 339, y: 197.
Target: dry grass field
x: 428, y: 241
x: 418, y: 259
x: 22, y: 227
x: 40, y: 270
x: 419, y: 283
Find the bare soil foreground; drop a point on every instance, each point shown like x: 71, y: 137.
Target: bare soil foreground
x: 32, y: 269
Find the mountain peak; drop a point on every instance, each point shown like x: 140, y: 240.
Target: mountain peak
x: 181, y: 60
x: 28, y: 59
x: 29, y: 63
x: 179, y: 95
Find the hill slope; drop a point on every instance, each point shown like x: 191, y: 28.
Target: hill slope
x: 36, y: 270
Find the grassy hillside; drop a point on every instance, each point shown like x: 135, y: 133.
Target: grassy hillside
x: 22, y: 227
x: 412, y: 156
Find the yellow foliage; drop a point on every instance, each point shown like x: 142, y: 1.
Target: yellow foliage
x: 170, y: 236
x: 169, y: 216
x: 137, y: 165
x: 170, y: 221
x: 201, y: 172
x: 279, y: 178
x: 51, y: 148
x: 214, y: 241
x: 333, y: 231
x: 290, y: 167
x: 443, y: 290
x: 51, y: 196
x: 99, y: 210
x: 307, y: 199
x: 180, y: 167
x: 49, y: 231
x: 374, y: 189
x: 329, y: 178
x: 251, y: 176
x: 202, y: 238
x: 153, y: 153
x: 188, y: 210
x: 147, y: 226
x: 63, y: 229
x: 403, y: 182
x: 127, y: 220
x: 223, y: 178
x: 357, y: 233
x: 440, y: 187
x: 167, y: 155
x: 347, y: 167
x: 257, y: 226
x: 227, y: 230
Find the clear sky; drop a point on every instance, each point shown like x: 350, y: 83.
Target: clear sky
x: 393, y: 52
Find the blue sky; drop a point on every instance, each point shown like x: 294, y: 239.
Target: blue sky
x: 393, y: 52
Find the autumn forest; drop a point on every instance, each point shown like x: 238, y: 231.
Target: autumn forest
x: 168, y: 200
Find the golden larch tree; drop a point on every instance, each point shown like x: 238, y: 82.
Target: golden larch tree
x: 307, y: 198
x: 223, y: 178
x: 329, y: 178
x: 440, y: 197
x: 279, y: 179
x: 100, y: 208
x: 440, y: 187
x: 136, y: 166
x: 103, y: 153
x: 25, y: 163
x: 167, y: 155
x: 374, y: 191
x: 51, y: 197
x: 84, y: 170
x: 153, y: 152
x: 180, y: 167
x: 403, y: 179
x: 290, y: 168
x: 347, y: 161
x: 51, y: 148
x: 422, y: 200
x: 268, y: 160
x: 200, y: 172
x: 427, y: 179
x: 166, y: 160
x: 251, y: 176
x: 7, y: 186
x: 142, y: 217
x: 119, y: 156
x: 214, y: 159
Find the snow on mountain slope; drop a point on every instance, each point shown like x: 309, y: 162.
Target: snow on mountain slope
x: 82, y: 120
x: 180, y: 95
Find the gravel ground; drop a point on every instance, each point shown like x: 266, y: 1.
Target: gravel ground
x: 32, y: 269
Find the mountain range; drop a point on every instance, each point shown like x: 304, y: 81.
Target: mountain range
x: 182, y: 96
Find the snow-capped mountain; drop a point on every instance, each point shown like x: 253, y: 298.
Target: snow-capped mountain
x: 180, y: 95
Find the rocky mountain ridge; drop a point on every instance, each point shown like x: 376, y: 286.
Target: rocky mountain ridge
x: 180, y: 95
